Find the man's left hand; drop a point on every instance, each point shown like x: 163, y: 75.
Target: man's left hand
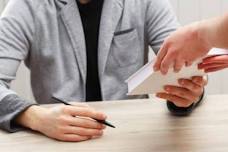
x: 186, y: 94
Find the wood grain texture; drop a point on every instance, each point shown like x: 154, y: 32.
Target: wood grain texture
x: 187, y: 12
x: 142, y: 126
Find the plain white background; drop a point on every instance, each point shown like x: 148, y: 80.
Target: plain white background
x: 187, y: 11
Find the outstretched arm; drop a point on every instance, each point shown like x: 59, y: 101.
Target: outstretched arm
x: 192, y: 42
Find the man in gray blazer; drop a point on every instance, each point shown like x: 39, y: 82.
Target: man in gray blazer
x: 81, y: 50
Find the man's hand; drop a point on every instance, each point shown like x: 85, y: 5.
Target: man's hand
x: 181, y: 48
x: 187, y: 93
x: 65, y: 123
x: 215, y: 63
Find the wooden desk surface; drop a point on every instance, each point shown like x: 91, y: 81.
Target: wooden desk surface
x: 142, y: 126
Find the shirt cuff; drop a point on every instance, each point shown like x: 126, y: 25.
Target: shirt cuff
x: 10, y: 107
x: 184, y: 111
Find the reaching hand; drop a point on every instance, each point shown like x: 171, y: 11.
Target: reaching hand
x: 181, y: 48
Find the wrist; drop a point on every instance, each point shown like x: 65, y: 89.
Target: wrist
x: 204, y: 34
x: 31, y: 117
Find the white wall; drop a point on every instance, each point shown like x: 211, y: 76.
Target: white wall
x: 187, y: 12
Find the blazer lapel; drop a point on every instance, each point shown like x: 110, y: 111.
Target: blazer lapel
x: 72, y: 20
x: 111, y: 14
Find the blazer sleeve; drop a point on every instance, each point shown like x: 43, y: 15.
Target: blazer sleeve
x: 161, y: 21
x: 16, y: 35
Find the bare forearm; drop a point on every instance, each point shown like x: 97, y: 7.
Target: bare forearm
x: 221, y: 39
x: 215, y: 31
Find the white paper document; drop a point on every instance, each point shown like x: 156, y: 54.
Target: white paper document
x: 146, y: 81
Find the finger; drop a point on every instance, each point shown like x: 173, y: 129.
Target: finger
x: 160, y: 56
x: 178, y: 65
x: 215, y: 69
x: 211, y: 65
x: 73, y: 138
x: 200, y: 81
x: 85, y: 123
x: 85, y: 112
x: 82, y: 131
x: 190, y: 85
x: 166, y: 62
x: 180, y: 92
x: 178, y: 101
x: 217, y: 59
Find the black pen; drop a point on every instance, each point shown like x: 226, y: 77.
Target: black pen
x: 100, y: 121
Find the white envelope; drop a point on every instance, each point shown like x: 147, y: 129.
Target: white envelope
x: 146, y: 81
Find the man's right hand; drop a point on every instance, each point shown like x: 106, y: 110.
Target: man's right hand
x: 65, y: 123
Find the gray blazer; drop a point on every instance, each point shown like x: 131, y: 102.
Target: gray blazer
x: 48, y: 36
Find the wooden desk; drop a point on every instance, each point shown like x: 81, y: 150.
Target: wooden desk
x: 142, y: 126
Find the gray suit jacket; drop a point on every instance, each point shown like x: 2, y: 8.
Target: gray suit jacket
x: 48, y: 36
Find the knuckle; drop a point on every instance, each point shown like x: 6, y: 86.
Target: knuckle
x: 62, y: 120
x: 172, y: 52
x: 82, y: 131
x: 65, y: 109
x: 168, y: 42
x: 60, y: 129
x: 164, y: 65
